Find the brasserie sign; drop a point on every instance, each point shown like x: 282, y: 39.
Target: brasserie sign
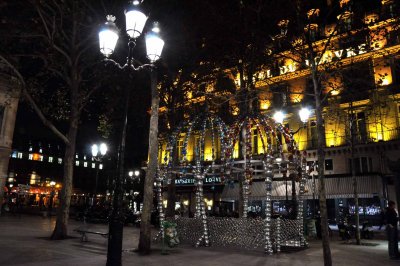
x: 191, y: 181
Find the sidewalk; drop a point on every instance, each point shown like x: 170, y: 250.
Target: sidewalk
x: 24, y: 241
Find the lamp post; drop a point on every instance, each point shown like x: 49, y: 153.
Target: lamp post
x: 98, y: 151
x: 108, y: 37
x: 133, y: 175
x: 51, y: 198
x: 304, y: 114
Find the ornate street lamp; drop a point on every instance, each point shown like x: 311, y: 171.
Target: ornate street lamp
x: 135, y: 173
x: 304, y: 114
x: 98, y: 152
x: 108, y: 37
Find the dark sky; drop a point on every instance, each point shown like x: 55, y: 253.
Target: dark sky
x: 226, y: 26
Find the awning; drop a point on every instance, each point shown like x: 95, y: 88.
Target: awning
x: 337, y: 187
x: 367, y: 187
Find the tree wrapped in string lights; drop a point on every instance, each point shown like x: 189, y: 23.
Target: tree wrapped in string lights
x: 202, y: 163
x: 236, y: 160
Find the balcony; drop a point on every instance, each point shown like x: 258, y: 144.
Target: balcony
x: 344, y: 140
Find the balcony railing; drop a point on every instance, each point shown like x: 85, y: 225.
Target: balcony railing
x: 344, y: 140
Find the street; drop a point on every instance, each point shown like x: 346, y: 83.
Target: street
x: 24, y: 241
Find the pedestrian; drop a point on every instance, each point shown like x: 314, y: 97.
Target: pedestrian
x: 391, y: 219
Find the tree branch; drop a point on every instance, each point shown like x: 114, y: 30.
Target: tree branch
x: 36, y: 108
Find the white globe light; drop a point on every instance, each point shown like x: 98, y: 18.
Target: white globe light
x: 95, y: 150
x: 304, y: 114
x: 154, y: 44
x: 135, y: 21
x: 103, y: 149
x: 108, y: 36
x: 279, y: 116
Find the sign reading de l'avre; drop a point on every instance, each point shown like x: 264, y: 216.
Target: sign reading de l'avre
x: 326, y: 58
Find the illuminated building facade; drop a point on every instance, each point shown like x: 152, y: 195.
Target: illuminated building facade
x: 36, y: 168
x: 358, y: 57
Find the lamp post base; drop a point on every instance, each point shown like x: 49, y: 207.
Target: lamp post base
x: 115, y: 236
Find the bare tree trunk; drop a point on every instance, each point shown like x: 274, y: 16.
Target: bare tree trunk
x: 10, y: 91
x: 356, y: 205
x: 241, y: 197
x: 4, y: 159
x: 353, y: 175
x: 170, y: 211
x: 242, y: 177
x: 61, y: 230
x: 321, y: 164
x: 145, y: 230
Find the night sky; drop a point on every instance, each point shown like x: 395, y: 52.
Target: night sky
x: 194, y: 31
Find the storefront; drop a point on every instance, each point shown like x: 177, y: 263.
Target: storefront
x: 339, y: 194
x: 34, y: 196
x: 186, y: 192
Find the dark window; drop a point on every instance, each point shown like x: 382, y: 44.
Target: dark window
x: 364, y: 165
x: 346, y: 23
x: 357, y: 165
x: 358, y: 127
x: 313, y: 134
x: 361, y: 165
x: 361, y: 128
x: 280, y: 96
x: 358, y: 81
x: 396, y: 69
x: 370, y: 165
x: 328, y: 164
x: 389, y: 10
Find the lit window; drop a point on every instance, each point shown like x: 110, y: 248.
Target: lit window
x: 30, y: 157
x: 50, y: 159
x: 40, y: 150
x: 76, y: 156
x: 77, y: 163
x: 179, y: 148
x: 41, y: 158
x: 59, y: 160
x: 36, y: 157
x: 19, y: 155
x: 30, y: 148
x: 14, y: 154
x: 100, y: 166
x: 93, y: 165
x: 85, y: 164
x: 84, y: 157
